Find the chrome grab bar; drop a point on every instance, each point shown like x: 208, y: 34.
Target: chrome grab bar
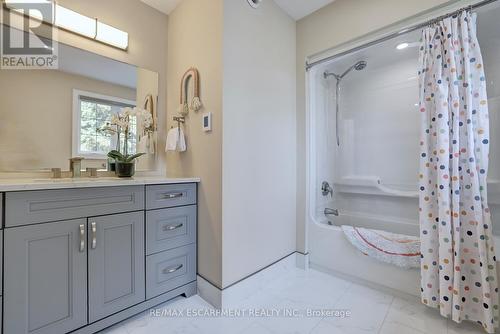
x: 172, y: 269
x: 172, y: 227
x: 94, y: 234
x: 172, y: 195
x: 82, y: 238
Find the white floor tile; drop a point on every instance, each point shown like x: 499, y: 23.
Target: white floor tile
x: 325, y: 327
x: 367, y: 308
x: 255, y: 328
x: 408, y: 317
x: 466, y: 327
x: 372, y: 311
x: 283, y: 324
x: 313, y: 289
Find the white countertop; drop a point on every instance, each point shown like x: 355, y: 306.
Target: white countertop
x: 46, y: 183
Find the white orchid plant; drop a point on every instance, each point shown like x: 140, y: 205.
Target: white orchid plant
x: 121, y: 123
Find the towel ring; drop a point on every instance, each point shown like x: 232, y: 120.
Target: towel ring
x: 196, y: 104
x: 149, y: 106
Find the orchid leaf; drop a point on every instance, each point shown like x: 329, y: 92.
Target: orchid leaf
x: 133, y: 157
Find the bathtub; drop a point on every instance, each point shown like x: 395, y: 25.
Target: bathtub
x: 332, y: 252
x: 373, y: 169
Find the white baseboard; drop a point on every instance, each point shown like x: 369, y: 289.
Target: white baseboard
x: 233, y: 295
x: 209, y: 292
x: 302, y: 261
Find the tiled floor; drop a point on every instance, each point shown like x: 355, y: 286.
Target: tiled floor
x: 372, y: 311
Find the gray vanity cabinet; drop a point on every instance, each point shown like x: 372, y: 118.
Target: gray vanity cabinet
x: 116, y: 263
x: 45, y: 278
x: 80, y: 260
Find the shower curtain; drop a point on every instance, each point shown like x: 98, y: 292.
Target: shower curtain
x: 457, y: 262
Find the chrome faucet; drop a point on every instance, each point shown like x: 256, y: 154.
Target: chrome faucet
x: 56, y: 173
x: 75, y: 166
x: 329, y: 212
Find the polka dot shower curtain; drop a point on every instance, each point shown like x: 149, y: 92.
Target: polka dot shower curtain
x: 458, y: 263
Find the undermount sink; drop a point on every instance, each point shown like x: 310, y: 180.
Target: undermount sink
x: 80, y: 179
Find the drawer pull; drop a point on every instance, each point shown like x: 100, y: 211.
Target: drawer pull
x: 82, y: 238
x: 172, y: 227
x: 172, y: 195
x: 94, y: 234
x: 172, y: 269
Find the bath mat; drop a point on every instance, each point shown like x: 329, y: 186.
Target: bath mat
x: 397, y: 249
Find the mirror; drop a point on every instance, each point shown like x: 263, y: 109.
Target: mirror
x: 49, y: 116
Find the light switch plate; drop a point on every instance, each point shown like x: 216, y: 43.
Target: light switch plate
x: 207, y: 122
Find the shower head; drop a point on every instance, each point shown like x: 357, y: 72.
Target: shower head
x: 359, y: 66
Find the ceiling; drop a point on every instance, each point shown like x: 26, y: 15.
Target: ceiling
x: 301, y: 8
x: 295, y: 8
x: 165, y: 6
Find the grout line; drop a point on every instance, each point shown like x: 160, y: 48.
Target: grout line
x: 386, y: 314
x: 315, y: 326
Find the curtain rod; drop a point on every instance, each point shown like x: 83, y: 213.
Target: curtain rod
x: 398, y: 33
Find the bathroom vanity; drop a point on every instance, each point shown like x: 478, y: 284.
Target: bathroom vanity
x: 79, y: 256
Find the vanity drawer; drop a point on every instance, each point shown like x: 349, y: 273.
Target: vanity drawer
x: 1, y: 264
x: 169, y: 270
x: 170, y: 228
x: 170, y: 195
x: 1, y: 210
x: 28, y: 207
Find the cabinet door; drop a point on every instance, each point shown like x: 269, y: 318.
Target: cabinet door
x: 116, y: 263
x: 45, y: 281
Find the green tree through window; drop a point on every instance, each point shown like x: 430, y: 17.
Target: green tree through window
x: 94, y: 114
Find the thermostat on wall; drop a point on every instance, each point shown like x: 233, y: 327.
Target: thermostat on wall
x: 207, y: 122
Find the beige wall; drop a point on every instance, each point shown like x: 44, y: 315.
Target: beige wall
x: 36, y: 116
x: 259, y: 138
x: 195, y: 39
x: 147, y: 30
x: 339, y: 22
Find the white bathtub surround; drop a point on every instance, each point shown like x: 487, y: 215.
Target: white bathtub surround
x: 371, y: 190
x: 372, y: 311
x: 458, y: 260
x: 241, y: 290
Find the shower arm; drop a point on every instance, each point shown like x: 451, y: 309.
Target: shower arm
x: 346, y: 72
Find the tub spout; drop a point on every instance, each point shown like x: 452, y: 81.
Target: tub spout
x: 329, y: 212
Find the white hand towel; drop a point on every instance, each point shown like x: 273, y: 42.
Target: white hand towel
x: 176, y: 140
x: 147, y: 143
